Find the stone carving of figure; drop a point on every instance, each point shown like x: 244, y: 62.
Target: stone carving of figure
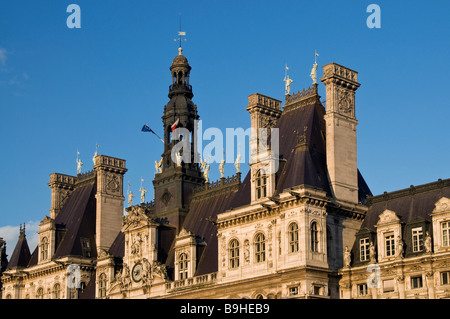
x: 143, y: 191
x: 237, y: 163
x: 147, y: 275
x: 427, y: 243
x: 159, y: 269
x: 130, y: 198
x: 158, y: 166
x: 125, y: 280
x: 288, y: 82
x: 221, y: 165
x: 313, y: 74
x: 246, y: 251
x: 136, y: 245
x: 372, y: 253
x: 347, y: 257
x: 399, y: 247
x: 206, y: 173
x: 79, y: 164
x: 178, y: 159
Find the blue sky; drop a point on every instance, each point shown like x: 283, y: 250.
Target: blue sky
x: 63, y: 90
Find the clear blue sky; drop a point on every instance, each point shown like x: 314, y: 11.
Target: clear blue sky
x: 65, y: 89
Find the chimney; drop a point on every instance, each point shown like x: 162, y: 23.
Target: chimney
x: 341, y: 84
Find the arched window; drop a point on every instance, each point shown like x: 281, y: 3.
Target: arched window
x: 40, y: 293
x: 259, y: 296
x: 293, y: 237
x: 260, y: 248
x: 44, y: 248
x: 56, y: 293
x: 314, y: 237
x: 261, y: 184
x: 102, y: 286
x: 183, y: 266
x: 233, y: 251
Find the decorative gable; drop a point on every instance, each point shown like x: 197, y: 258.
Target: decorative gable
x: 442, y: 205
x: 388, y: 217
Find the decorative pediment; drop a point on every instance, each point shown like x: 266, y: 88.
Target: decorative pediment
x: 442, y: 205
x: 136, y: 216
x: 388, y: 217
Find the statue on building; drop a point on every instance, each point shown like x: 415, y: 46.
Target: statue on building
x: 143, y: 191
x: 178, y: 159
x: 427, y: 243
x: 221, y: 165
x: 372, y: 253
x: 79, y: 164
x: 288, y: 81
x: 130, y: 197
x: 158, y: 166
x: 237, y: 163
x: 95, y: 154
x: 347, y: 257
x: 399, y: 247
x: 313, y: 74
x: 206, y: 173
x: 147, y: 275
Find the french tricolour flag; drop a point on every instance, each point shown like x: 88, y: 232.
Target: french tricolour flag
x: 174, y: 125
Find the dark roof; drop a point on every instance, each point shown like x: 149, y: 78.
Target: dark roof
x: 78, y: 218
x: 117, y: 248
x: 21, y: 255
x: 408, y: 204
x: 199, y: 221
x: 302, y: 161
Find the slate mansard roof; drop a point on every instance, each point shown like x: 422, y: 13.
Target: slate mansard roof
x: 75, y: 220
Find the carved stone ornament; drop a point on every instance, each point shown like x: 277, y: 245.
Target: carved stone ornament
x: 166, y: 196
x: 442, y: 205
x: 136, y: 245
x: 388, y: 216
x: 345, y: 102
x: 112, y: 183
x: 135, y: 215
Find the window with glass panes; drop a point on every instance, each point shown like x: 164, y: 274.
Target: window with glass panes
x: 389, y: 241
x: 234, y: 253
x: 417, y: 239
x: 445, y: 227
x: 293, y: 237
x: 364, y: 249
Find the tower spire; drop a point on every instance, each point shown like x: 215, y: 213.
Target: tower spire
x: 180, y: 35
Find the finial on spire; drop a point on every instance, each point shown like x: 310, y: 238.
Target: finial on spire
x: 22, y: 230
x: 180, y: 34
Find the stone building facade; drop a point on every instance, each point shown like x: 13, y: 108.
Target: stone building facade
x: 291, y: 228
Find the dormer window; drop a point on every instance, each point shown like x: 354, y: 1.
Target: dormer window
x: 86, y: 247
x: 364, y: 245
x: 445, y: 228
x: 183, y: 266
x: 389, y: 242
x: 261, y: 184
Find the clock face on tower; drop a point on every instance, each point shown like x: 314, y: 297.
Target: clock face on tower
x: 136, y: 273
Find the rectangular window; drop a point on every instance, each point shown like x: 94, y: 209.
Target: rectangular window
x: 416, y: 282
x: 293, y: 291
x: 318, y: 290
x: 86, y: 247
x: 445, y: 227
x: 388, y: 285
x: 445, y: 277
x: 390, y: 245
x: 417, y: 239
x: 364, y: 249
x: 362, y: 290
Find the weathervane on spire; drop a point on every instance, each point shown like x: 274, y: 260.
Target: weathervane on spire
x: 313, y: 74
x: 288, y: 81
x: 180, y: 39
